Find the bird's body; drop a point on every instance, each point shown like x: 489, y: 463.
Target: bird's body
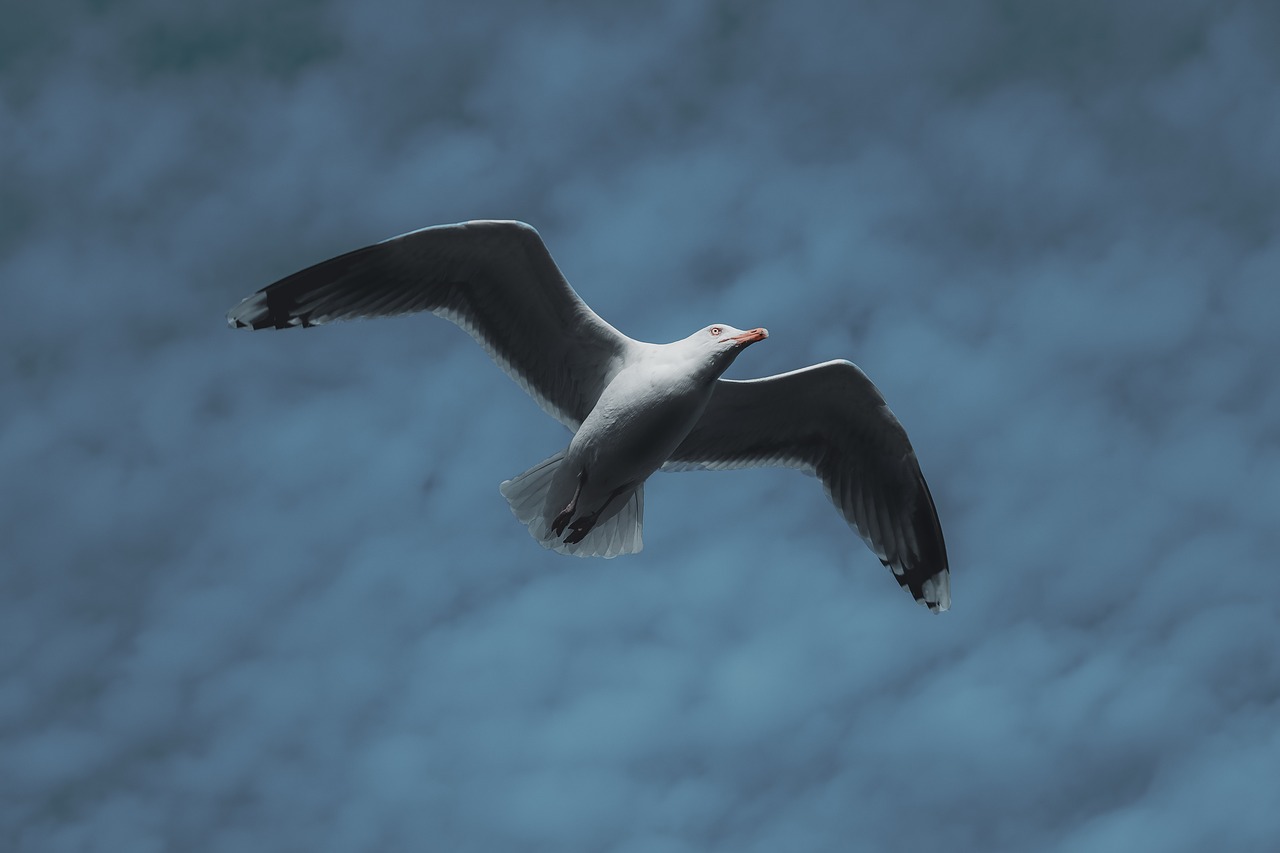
x: 648, y: 408
x: 642, y: 416
x: 638, y: 421
x: 634, y: 407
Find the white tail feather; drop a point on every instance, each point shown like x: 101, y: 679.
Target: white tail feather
x: 527, y: 492
x: 616, y: 535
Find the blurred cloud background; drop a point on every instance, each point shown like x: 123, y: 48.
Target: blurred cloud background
x: 260, y: 592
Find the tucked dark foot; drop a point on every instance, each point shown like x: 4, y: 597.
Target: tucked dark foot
x: 580, y: 528
x: 561, y: 520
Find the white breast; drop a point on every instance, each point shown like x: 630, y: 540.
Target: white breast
x: 639, y: 420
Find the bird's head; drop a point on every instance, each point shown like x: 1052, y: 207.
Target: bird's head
x: 719, y: 344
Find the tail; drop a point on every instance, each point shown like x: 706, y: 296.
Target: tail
x: 619, y: 534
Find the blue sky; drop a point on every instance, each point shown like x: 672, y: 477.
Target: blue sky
x: 260, y: 592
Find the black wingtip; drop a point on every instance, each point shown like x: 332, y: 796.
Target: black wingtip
x: 926, y: 573
x: 263, y: 310
x: 250, y: 313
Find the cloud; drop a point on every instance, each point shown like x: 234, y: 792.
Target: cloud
x: 261, y: 592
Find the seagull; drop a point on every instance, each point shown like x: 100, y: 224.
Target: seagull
x: 633, y: 407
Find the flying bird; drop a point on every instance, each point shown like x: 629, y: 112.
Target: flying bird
x: 633, y: 407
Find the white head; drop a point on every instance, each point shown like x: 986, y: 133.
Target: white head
x: 719, y: 344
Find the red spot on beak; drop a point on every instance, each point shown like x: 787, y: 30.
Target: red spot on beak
x: 751, y: 337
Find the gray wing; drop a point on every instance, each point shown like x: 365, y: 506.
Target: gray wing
x: 831, y: 421
x: 496, y: 280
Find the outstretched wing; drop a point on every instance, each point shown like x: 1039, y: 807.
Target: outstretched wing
x: 831, y: 421
x: 494, y: 279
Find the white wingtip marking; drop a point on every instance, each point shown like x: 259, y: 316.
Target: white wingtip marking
x: 937, y: 592
x: 246, y: 312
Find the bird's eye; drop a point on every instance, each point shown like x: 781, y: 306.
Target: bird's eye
x: 715, y: 330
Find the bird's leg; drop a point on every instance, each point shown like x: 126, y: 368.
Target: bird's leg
x: 580, y: 528
x: 562, y: 519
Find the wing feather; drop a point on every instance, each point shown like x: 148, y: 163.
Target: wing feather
x: 831, y: 421
x: 496, y: 280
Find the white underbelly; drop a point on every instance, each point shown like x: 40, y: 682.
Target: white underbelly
x: 622, y: 442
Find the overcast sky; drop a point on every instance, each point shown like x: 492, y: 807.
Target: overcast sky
x: 259, y: 592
